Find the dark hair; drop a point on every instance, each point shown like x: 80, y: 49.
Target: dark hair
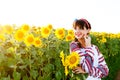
x: 81, y: 23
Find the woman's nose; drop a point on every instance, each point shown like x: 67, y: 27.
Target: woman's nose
x: 77, y: 31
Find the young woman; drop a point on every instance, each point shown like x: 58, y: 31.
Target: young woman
x: 92, y: 61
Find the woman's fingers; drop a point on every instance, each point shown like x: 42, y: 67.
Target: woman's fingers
x: 87, y: 41
x: 78, y: 70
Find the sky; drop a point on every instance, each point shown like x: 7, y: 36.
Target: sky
x: 103, y: 15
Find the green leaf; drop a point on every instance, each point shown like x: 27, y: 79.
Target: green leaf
x: 16, y: 75
x: 48, y: 68
x: 25, y: 78
x: 34, y: 73
x: 40, y: 78
x: 58, y: 75
x: 5, y: 78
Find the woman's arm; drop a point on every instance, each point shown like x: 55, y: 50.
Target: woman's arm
x: 96, y: 71
x: 100, y: 71
x: 87, y: 63
x: 102, y: 64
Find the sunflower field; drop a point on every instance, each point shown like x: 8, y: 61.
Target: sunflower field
x: 36, y: 52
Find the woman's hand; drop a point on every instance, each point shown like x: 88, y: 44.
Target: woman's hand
x: 85, y: 41
x: 88, y: 41
x: 82, y: 42
x: 78, y: 70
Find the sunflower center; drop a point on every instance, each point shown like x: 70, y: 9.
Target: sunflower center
x: 30, y: 39
x: 69, y: 38
x: 73, y: 59
x: 26, y: 28
x: 60, y: 32
x: 46, y: 31
x: 37, y: 42
x: 70, y: 32
x: 20, y: 35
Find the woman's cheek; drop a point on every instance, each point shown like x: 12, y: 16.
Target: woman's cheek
x: 78, y: 35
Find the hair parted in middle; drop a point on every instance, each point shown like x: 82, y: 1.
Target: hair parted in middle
x: 81, y: 23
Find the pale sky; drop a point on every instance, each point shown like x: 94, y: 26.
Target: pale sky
x: 104, y: 15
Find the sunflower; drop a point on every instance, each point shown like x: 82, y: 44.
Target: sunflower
x: 37, y: 42
x: 45, y: 32
x: 64, y: 62
x: 103, y: 40
x: 2, y: 37
x: 8, y: 28
x: 1, y: 30
x: 60, y: 33
x: 69, y: 37
x: 64, y: 59
x: 62, y: 56
x: 29, y: 40
x: 25, y: 27
x: 73, y: 59
x: 49, y: 26
x: 71, y: 32
x: 19, y: 35
x: 66, y: 70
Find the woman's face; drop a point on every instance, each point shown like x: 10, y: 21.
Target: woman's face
x: 80, y: 33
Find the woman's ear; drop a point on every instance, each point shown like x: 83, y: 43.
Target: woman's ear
x: 88, y: 32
